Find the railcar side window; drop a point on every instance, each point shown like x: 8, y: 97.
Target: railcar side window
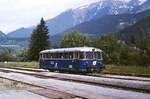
x: 61, y: 55
x: 56, y: 55
x: 65, y: 55
x: 48, y: 55
x: 81, y: 55
x: 76, y: 55
x: 71, y: 55
x: 51, y: 55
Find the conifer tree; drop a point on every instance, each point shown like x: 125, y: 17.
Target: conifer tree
x: 39, y: 41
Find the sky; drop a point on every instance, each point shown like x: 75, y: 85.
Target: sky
x: 15, y: 14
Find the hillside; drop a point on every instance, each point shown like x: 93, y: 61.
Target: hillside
x: 20, y: 33
x: 2, y: 35
x: 109, y: 23
x: 141, y: 28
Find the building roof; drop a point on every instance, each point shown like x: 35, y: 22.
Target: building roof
x: 74, y: 49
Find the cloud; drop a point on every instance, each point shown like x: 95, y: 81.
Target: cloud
x: 25, y: 13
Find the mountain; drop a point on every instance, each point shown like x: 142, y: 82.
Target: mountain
x: 106, y: 24
x: 20, y: 33
x: 2, y: 35
x: 109, y: 23
x: 73, y: 17
x: 86, y: 13
x: 139, y: 29
x: 82, y: 14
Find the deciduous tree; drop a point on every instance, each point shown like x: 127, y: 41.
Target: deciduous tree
x: 73, y: 39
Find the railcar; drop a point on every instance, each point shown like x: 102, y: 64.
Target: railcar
x: 77, y: 59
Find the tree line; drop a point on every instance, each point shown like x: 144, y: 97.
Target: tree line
x: 115, y: 51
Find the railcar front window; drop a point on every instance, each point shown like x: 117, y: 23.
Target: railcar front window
x: 89, y: 55
x: 97, y: 55
x: 40, y: 56
x: 44, y: 55
x: 93, y: 55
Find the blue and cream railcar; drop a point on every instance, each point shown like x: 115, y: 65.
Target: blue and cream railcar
x: 81, y: 59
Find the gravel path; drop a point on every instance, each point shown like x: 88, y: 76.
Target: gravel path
x: 18, y: 94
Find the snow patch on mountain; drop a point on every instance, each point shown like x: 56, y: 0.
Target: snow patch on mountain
x: 142, y: 1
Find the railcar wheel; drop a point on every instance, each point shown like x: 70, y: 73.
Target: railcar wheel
x: 51, y: 70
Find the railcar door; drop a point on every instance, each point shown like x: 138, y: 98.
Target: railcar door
x: 75, y: 60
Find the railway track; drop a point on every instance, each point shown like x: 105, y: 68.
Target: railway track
x: 80, y: 86
x: 126, y: 82
x: 123, y: 77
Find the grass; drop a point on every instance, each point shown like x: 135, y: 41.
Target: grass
x: 11, y: 85
x: 20, y: 64
x: 110, y: 69
x: 127, y: 70
x: 4, y: 83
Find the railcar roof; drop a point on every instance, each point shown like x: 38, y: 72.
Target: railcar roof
x: 75, y: 49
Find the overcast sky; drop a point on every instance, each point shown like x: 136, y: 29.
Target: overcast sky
x: 24, y: 13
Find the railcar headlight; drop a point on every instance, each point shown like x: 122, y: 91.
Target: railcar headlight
x: 94, y: 63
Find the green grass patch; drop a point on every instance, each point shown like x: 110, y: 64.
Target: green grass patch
x: 11, y: 85
x: 20, y: 64
x: 127, y: 70
x: 110, y: 69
